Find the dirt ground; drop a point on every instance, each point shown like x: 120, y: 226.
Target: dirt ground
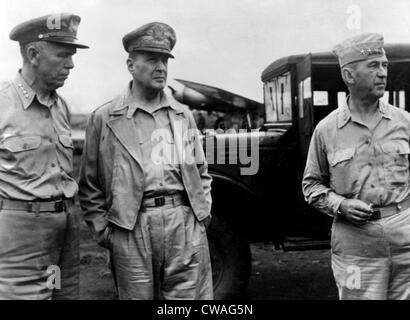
x: 278, y: 275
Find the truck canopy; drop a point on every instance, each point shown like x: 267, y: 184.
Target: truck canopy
x: 398, y: 52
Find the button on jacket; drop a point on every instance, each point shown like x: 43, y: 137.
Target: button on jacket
x: 112, y: 181
x: 348, y: 160
x: 36, y: 149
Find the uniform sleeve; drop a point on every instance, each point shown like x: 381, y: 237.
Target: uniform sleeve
x: 91, y: 194
x: 202, y: 164
x: 315, y: 184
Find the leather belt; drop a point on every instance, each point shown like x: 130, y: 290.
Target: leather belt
x: 176, y: 199
x: 58, y: 205
x: 384, y: 212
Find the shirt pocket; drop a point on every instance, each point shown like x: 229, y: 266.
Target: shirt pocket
x: 341, y: 157
x: 396, y: 161
x: 66, y: 155
x: 22, y: 155
x: 343, y: 171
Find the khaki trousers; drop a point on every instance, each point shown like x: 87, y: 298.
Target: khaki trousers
x: 33, y: 249
x: 166, y: 256
x: 372, y: 261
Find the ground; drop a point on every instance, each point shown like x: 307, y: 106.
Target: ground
x: 278, y: 275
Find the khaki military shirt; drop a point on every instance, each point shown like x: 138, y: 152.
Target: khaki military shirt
x: 36, y: 149
x: 162, y: 173
x: 346, y: 159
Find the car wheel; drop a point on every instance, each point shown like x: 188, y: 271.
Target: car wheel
x: 230, y: 258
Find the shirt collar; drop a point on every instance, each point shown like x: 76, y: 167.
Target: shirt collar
x: 27, y: 94
x: 345, y: 115
x: 127, y: 100
x: 384, y: 110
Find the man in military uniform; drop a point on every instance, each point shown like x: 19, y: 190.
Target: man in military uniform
x: 38, y: 232
x: 358, y: 172
x: 149, y: 208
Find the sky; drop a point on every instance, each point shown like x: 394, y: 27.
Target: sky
x: 222, y: 43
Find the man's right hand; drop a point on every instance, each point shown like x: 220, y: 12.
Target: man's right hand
x: 104, y: 237
x: 355, y: 211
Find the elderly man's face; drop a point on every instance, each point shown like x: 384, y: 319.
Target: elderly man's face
x: 54, y: 65
x: 371, y: 77
x: 149, y: 70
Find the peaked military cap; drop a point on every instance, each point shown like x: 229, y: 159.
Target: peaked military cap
x: 358, y: 48
x: 58, y: 28
x: 151, y: 37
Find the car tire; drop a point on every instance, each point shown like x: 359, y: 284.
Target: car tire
x: 230, y: 258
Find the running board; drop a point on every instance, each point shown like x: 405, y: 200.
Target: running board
x: 306, y: 245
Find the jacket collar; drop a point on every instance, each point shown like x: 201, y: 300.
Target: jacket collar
x: 344, y: 114
x: 27, y: 94
x: 125, y: 130
x: 127, y: 105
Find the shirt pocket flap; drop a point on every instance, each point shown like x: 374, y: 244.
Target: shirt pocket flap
x: 66, y: 141
x: 341, y: 155
x: 21, y: 143
x: 398, y: 147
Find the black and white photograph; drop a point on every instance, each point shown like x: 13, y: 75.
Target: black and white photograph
x: 227, y: 151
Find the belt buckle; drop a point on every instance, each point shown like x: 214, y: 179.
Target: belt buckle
x: 34, y: 207
x: 59, y: 206
x: 159, y: 202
